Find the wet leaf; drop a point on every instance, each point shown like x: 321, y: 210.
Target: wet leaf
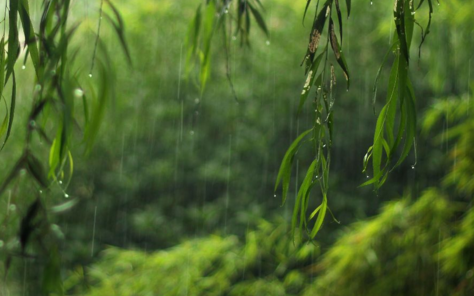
x: 27, y: 225
x: 13, y: 43
x: 36, y: 170
x: 259, y: 19
x: 30, y: 38
x: 320, y: 219
x: 339, y: 17
x: 12, y: 110
x: 310, y: 79
x: 303, y: 193
x: 284, y: 173
x: 338, y: 53
x: 348, y: 4
x: 65, y: 206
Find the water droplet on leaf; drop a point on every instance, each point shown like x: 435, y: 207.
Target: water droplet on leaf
x: 78, y: 93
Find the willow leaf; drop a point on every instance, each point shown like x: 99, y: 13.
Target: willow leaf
x: 310, y: 79
x: 2, y: 66
x: 393, y: 87
x: 339, y: 18
x: 13, y: 44
x: 65, y: 206
x: 258, y: 17
x: 285, y: 168
x: 374, y: 90
x: 338, y: 53
x: 399, y: 16
x: 12, y: 110
x: 378, y: 140
x: 348, y: 4
x: 306, y: 9
x: 302, y: 194
x: 315, y: 35
x: 30, y: 37
x: 192, y: 40
x: 320, y: 219
x: 208, y: 33
x: 411, y: 125
x: 36, y: 170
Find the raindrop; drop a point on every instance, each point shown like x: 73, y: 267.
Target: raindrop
x: 412, y: 167
x: 274, y: 195
x: 413, y: 12
x: 66, y: 195
x: 367, y: 176
x: 371, y: 2
x: 41, y: 191
x: 78, y: 93
x: 60, y: 182
x: 324, y: 145
x: 23, y: 67
x: 267, y: 42
x: 90, y: 75
x: 196, y: 100
x: 226, y: 11
x: 316, y: 177
x: 191, y: 132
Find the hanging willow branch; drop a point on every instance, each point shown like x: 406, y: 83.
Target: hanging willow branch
x: 320, y: 76
x: 52, y: 117
x: 211, y: 16
x: 400, y: 104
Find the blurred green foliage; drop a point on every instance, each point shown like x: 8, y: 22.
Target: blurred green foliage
x: 415, y: 246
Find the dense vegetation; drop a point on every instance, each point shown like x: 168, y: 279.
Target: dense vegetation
x: 177, y: 195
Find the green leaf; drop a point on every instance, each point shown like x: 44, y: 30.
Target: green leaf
x: 192, y: 40
x: 259, y: 19
x: 338, y: 53
x: 2, y: 66
x: 339, y: 17
x: 320, y: 219
x: 306, y: 9
x: 392, y: 97
x: 13, y: 44
x: 36, y: 170
x: 303, y: 192
x: 348, y: 4
x: 65, y: 206
x: 391, y: 49
x: 378, y: 140
x: 208, y: 33
x: 309, y: 81
x: 284, y: 173
x: 119, y: 27
x: 411, y: 125
x: 315, y: 35
x: 399, y: 16
x: 30, y: 37
x: 12, y: 110
x: 27, y: 225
